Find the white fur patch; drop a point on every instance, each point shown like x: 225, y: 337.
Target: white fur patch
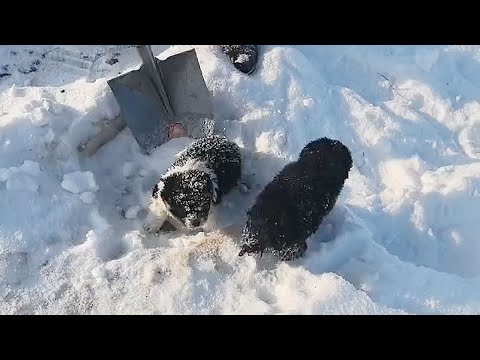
x: 158, y: 207
x: 191, y: 164
x: 160, y: 186
x: 158, y: 214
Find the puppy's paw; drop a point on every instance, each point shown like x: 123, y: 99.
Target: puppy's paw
x: 156, y: 217
x: 149, y: 228
x: 158, y: 226
x: 153, y: 225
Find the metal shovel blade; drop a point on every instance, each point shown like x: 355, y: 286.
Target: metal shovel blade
x: 143, y: 109
x: 185, y: 86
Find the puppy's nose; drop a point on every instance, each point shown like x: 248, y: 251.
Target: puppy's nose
x: 195, y: 222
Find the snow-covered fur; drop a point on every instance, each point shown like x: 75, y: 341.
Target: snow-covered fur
x: 202, y: 174
x: 293, y: 205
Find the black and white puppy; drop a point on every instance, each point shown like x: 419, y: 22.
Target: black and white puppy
x: 292, y: 206
x: 201, y: 175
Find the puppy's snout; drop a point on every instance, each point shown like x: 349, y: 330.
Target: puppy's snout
x: 193, y: 222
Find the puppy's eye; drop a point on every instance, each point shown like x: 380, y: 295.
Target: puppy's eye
x: 206, y: 207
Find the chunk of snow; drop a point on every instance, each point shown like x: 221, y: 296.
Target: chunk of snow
x: 79, y: 181
x: 30, y: 167
x: 22, y: 182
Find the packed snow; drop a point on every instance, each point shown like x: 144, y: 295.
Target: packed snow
x: 402, y: 239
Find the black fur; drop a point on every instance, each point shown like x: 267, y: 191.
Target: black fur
x: 220, y: 155
x: 243, y: 57
x: 190, y: 193
x: 293, y: 205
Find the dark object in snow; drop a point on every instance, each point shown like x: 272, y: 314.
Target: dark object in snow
x: 2, y: 75
x: 293, y: 205
x: 111, y: 61
x: 200, y: 177
x: 33, y: 67
x: 243, y: 57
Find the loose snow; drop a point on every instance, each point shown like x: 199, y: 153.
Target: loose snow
x: 403, y: 237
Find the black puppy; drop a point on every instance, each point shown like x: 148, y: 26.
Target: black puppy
x: 202, y: 174
x: 292, y: 206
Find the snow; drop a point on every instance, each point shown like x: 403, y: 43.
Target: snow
x: 5, y: 174
x: 403, y: 237
x: 78, y: 181
x: 30, y: 167
x: 22, y: 181
x: 87, y: 197
x: 132, y: 212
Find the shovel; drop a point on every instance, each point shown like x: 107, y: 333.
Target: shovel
x: 157, y: 96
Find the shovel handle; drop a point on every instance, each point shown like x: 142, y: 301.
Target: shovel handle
x: 155, y: 74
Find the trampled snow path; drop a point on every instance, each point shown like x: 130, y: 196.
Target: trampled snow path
x: 403, y: 237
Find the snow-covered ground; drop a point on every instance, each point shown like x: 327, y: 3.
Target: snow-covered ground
x: 403, y: 238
